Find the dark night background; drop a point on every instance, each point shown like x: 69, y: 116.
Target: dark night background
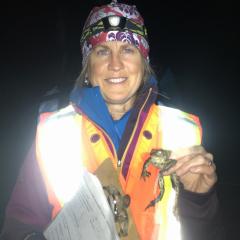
x: 39, y: 49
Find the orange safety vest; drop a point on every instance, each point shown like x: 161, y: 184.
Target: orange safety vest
x: 93, y: 147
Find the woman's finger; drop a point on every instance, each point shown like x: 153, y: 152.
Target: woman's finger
x: 204, y: 169
x: 188, y: 162
x: 199, y: 160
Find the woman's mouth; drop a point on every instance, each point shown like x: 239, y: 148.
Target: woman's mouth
x: 116, y: 80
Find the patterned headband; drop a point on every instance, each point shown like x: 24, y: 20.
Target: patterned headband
x: 114, y: 22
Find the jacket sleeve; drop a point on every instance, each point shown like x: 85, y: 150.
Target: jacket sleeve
x: 28, y: 211
x: 200, y: 216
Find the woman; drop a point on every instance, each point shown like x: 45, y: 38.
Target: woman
x: 114, y: 126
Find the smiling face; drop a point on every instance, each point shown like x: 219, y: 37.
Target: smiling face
x: 117, y: 68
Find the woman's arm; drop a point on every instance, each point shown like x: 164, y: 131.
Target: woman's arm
x: 28, y: 210
x: 200, y: 215
x: 199, y: 209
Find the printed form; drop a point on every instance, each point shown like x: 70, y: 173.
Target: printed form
x: 86, y: 216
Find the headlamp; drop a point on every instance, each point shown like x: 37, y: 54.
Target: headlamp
x: 114, y: 23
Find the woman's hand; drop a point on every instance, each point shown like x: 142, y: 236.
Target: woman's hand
x: 195, y: 169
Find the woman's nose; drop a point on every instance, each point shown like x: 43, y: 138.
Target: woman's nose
x: 115, y: 62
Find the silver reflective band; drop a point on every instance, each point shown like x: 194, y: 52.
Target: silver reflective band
x: 30, y: 235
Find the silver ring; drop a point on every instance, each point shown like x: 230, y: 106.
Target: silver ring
x: 210, y: 163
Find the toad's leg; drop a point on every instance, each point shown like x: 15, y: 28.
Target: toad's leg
x: 160, y: 195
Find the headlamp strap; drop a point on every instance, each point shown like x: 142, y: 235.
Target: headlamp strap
x: 113, y: 23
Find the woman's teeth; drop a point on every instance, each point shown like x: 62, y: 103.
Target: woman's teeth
x: 116, y: 80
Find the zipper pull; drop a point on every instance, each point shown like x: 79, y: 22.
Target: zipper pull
x: 119, y: 163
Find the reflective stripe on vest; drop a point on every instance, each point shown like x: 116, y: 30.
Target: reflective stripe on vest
x: 61, y: 140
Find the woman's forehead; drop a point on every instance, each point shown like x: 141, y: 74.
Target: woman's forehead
x: 111, y: 44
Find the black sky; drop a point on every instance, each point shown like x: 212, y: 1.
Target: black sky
x: 39, y: 49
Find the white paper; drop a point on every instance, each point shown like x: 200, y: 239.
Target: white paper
x: 86, y: 216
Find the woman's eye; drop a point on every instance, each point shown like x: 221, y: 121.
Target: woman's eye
x: 102, y: 52
x: 128, y: 50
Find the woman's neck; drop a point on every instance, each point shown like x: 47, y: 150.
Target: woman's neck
x: 118, y: 110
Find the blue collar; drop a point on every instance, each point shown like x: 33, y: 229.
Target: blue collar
x: 92, y: 104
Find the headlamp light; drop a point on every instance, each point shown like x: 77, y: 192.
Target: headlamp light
x: 114, y: 23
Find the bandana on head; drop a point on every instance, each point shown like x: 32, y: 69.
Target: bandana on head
x: 114, y: 22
